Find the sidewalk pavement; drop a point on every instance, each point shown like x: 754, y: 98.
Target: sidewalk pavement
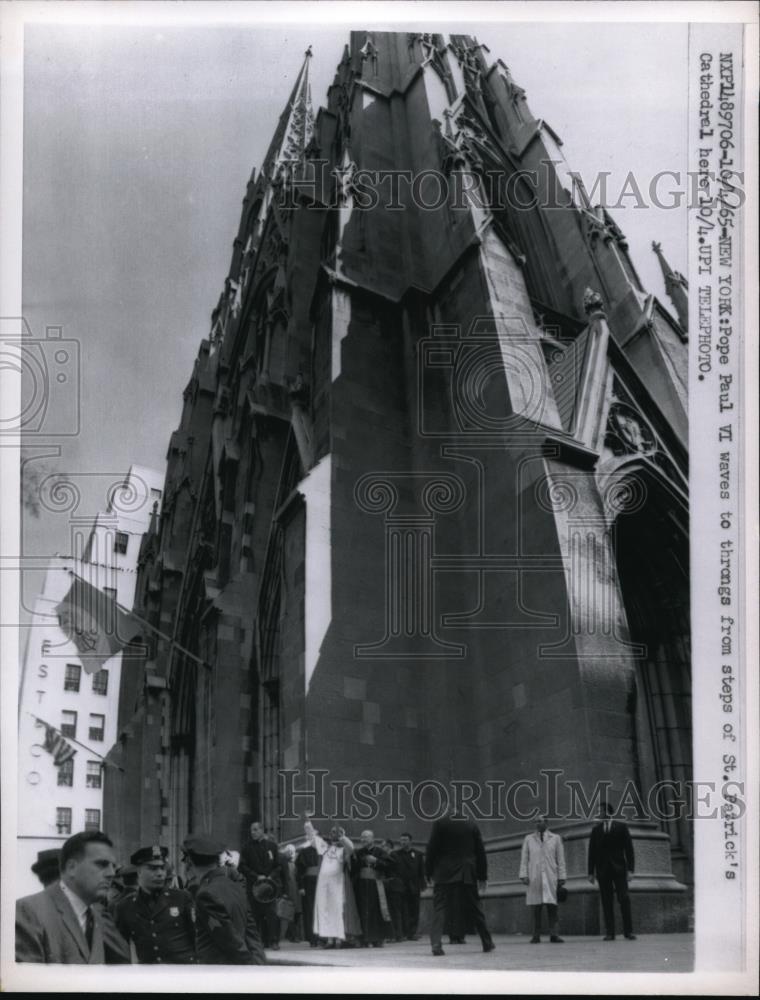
x: 648, y: 953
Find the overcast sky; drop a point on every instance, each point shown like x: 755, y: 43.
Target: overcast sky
x: 138, y: 143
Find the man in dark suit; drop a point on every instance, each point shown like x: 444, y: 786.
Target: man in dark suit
x: 370, y: 864
x: 226, y: 932
x: 455, y: 860
x: 394, y: 892
x: 159, y: 921
x: 307, y: 872
x: 410, y: 865
x: 65, y: 923
x: 259, y: 861
x: 611, y: 861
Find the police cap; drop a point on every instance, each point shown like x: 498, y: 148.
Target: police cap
x: 202, y: 845
x: 148, y: 854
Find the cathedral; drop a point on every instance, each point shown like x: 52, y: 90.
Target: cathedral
x: 425, y: 520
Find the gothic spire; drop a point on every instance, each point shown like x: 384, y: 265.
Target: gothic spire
x: 676, y: 286
x: 295, y: 127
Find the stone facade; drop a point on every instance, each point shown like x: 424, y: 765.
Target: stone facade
x: 425, y: 517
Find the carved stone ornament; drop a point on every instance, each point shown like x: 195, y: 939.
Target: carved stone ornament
x: 592, y: 302
x: 369, y: 51
x: 450, y: 157
x: 345, y: 177
x: 467, y: 125
x: 628, y: 433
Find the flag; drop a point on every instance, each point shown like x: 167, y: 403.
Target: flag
x: 95, y: 623
x: 115, y: 756
x: 60, y: 749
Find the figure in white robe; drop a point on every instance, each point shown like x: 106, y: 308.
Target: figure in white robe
x: 335, y: 913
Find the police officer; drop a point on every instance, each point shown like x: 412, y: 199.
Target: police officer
x: 160, y: 922
x: 226, y: 930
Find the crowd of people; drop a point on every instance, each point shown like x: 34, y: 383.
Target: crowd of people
x: 330, y: 893
x: 229, y: 907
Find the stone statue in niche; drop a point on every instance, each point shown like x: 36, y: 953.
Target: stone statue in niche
x: 627, y: 433
x: 298, y: 390
x: 592, y: 302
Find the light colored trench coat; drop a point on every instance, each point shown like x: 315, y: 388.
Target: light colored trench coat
x: 543, y: 863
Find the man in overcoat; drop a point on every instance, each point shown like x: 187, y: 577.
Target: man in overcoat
x: 455, y: 861
x: 542, y: 870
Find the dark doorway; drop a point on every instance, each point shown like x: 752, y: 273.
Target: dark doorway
x: 652, y: 550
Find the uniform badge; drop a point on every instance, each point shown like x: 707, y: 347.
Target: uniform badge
x: 174, y: 911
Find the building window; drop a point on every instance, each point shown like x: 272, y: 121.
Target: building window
x: 121, y: 542
x: 93, y: 774
x: 92, y: 819
x: 63, y: 820
x: 100, y: 682
x: 71, y: 677
x: 97, y: 725
x: 69, y: 724
x: 66, y: 773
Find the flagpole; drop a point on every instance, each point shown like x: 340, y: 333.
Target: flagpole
x: 164, y: 635
x: 74, y: 740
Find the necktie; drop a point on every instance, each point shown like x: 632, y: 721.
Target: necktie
x: 89, y: 927
x: 542, y: 834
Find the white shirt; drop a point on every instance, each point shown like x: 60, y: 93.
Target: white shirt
x: 78, y: 905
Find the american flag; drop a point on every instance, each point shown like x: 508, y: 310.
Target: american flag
x: 55, y: 744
